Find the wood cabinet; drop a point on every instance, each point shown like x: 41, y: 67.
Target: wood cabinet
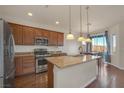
x: 25, y: 35
x: 24, y: 65
x: 50, y: 75
x: 46, y: 33
x: 28, y: 64
x: 28, y: 35
x: 56, y: 38
x: 38, y: 33
x: 17, y: 33
x: 60, y: 39
x: 18, y: 65
x: 53, y: 39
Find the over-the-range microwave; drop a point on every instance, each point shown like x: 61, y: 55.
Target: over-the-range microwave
x: 41, y: 41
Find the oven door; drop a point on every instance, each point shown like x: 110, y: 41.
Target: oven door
x: 41, y: 65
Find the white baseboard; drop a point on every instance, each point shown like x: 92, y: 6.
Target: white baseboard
x: 89, y: 82
x: 116, y: 66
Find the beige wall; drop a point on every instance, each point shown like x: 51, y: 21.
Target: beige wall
x: 71, y: 46
x: 115, y: 55
x: 121, y: 45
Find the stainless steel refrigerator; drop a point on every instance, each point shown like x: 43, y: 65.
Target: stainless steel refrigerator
x: 7, y: 66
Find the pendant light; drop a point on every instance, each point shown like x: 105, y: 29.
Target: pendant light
x: 70, y: 36
x: 81, y: 38
x: 88, y: 24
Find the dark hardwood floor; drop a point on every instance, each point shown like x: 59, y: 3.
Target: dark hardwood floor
x: 32, y: 81
x: 109, y: 77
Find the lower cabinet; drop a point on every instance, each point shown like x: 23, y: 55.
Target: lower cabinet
x: 24, y: 65
x: 28, y: 64
x: 18, y: 65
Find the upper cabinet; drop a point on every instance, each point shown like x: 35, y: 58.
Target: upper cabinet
x: 25, y: 35
x: 46, y: 33
x: 60, y: 39
x: 38, y: 32
x: 28, y: 35
x: 53, y: 38
x: 17, y: 33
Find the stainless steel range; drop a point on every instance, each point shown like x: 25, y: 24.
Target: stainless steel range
x: 41, y: 62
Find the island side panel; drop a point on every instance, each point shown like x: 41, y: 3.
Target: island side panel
x: 50, y: 75
x: 75, y: 76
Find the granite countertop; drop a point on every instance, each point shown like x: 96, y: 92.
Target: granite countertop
x: 32, y: 54
x: 65, y: 61
x: 24, y: 54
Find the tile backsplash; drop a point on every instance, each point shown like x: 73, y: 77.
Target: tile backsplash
x: 23, y: 48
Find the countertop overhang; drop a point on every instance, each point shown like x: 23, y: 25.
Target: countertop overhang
x: 65, y: 61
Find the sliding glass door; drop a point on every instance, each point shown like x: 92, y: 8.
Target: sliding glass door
x: 99, y: 45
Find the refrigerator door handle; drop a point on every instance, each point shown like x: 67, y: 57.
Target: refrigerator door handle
x: 13, y: 43
x: 11, y: 48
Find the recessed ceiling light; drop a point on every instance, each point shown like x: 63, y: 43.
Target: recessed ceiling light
x: 30, y: 14
x: 57, y: 22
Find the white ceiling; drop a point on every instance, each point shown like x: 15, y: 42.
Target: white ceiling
x: 101, y: 16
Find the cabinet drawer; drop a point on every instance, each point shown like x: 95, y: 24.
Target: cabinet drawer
x: 26, y: 65
x: 28, y: 70
x: 29, y: 58
x: 28, y: 61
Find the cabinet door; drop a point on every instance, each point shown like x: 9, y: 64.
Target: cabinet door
x: 28, y: 35
x: 53, y: 38
x: 19, y: 66
x: 17, y: 33
x: 46, y: 33
x: 38, y: 33
x: 60, y: 39
x: 28, y: 64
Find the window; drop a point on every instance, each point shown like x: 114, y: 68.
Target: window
x: 99, y: 43
x: 113, y: 43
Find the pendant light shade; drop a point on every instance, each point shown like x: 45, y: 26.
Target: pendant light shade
x: 88, y: 40
x: 81, y: 38
x: 88, y: 24
x: 70, y: 36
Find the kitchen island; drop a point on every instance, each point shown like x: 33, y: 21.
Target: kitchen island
x: 72, y: 71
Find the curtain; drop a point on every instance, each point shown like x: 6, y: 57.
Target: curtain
x: 107, y: 56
